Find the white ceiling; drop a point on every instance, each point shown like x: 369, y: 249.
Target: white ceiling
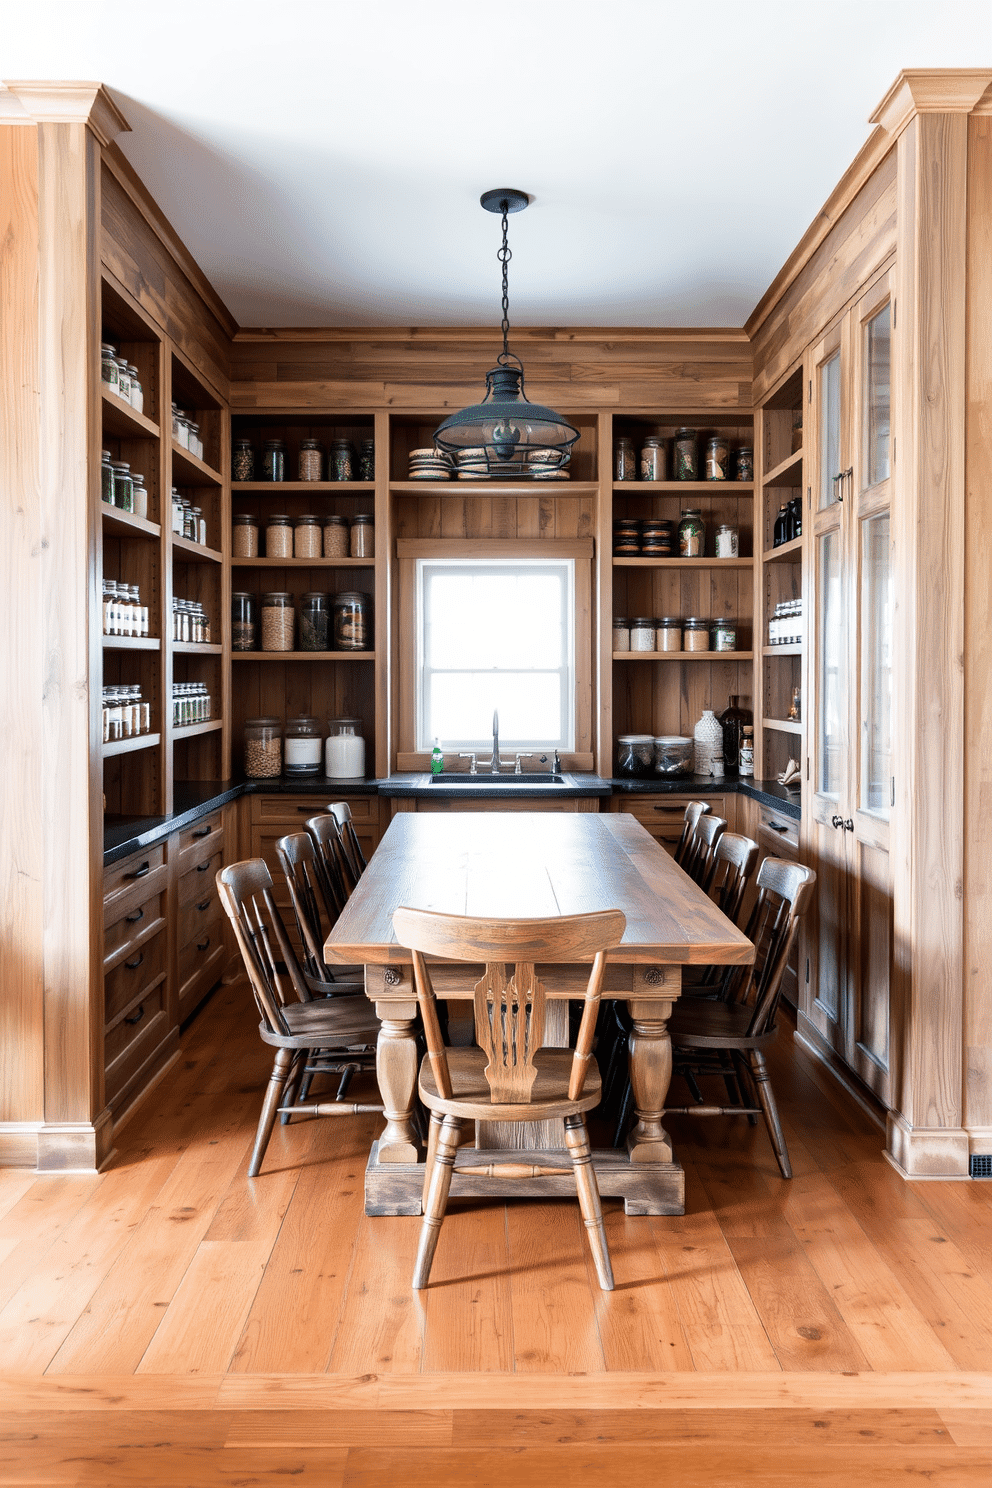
x: 323, y: 160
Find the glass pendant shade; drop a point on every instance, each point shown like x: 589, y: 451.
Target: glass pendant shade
x: 511, y: 434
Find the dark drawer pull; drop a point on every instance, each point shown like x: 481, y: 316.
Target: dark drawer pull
x: 205, y: 904
x: 203, y: 832
x: 312, y: 810
x: 776, y: 828
x: 202, y: 867
x: 133, y: 919
x: 201, y: 945
x: 145, y: 868
x: 133, y: 965
x: 137, y: 1017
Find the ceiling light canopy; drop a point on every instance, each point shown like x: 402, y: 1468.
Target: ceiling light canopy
x: 513, y: 435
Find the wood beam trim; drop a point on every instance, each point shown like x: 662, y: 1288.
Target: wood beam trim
x: 72, y: 103
x: 917, y: 90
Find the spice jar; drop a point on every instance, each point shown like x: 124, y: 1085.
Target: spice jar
x: 685, y: 455
x: 108, y: 366
x: 336, y: 537
x: 717, y: 458
x: 279, y: 537
x: 657, y: 538
x: 624, y: 460
x: 307, y: 538
x: 263, y: 747
x: 621, y: 634
x: 344, y: 752
x: 692, y: 534
x: 311, y: 460
x: 341, y: 465
x: 106, y: 478
x: 747, y: 751
x: 626, y: 537
x: 635, y: 755
x: 315, y: 622
x: 195, y: 442
x: 723, y: 635
x: 352, y: 622
x: 274, y: 460
x: 139, y: 495
x: 123, y: 380
x: 244, y: 535
x: 668, y: 635
x: 366, y: 460
x: 303, y: 746
x: 362, y: 537
x: 696, y: 634
x: 642, y: 634
x: 244, y: 626
x: 277, y: 621
x: 654, y: 459
x: 243, y: 461
x: 123, y: 487
x: 181, y: 430
x: 727, y: 545
x: 199, y: 526
x: 745, y: 463
x: 137, y: 391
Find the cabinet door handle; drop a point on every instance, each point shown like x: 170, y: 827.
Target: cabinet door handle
x: 776, y: 828
x: 202, y: 867
x: 849, y: 825
x: 836, y: 821
x: 313, y: 810
x: 137, y: 1017
x: 145, y: 868
x: 133, y: 919
x: 133, y: 965
x: 203, y: 832
x: 201, y: 945
x: 205, y: 904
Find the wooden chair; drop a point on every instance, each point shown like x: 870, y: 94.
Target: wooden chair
x: 727, y: 1038
x: 699, y: 860
x: 734, y: 861
x: 693, y: 811
x: 341, y: 812
x: 299, y: 864
x: 509, y: 1077
x: 333, y: 864
x: 293, y: 1022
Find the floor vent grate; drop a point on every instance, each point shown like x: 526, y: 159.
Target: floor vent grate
x: 980, y: 1165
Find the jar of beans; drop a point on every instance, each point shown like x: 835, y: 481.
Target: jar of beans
x: 278, y: 618
x: 244, y: 535
x: 696, y: 634
x: 692, y: 534
x: 279, y: 537
x: 668, y: 636
x: 242, y: 461
x: 366, y: 460
x: 315, y: 622
x: 642, y: 634
x: 336, y: 537
x: 263, y: 747
x: 352, y: 622
x: 624, y: 460
x: 307, y: 537
x: 362, y: 537
x: 311, y: 461
x: 745, y: 463
x: 274, y: 460
x: 341, y: 463
x: 723, y: 635
x: 654, y: 459
x: 244, y: 624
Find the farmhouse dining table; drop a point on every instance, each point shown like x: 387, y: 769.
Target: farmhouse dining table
x: 523, y: 865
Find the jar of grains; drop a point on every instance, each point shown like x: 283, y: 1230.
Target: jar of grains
x: 668, y: 636
x: 344, y: 752
x: 263, y: 747
x: 278, y: 616
x: 654, y: 459
x: 624, y: 460
x: 366, y: 460
x: 642, y: 634
x: 685, y: 455
x: 621, y: 634
x: 244, y: 625
x: 336, y: 537
x: 307, y: 537
x: 352, y: 622
x: 692, y: 534
x: 717, y: 457
x: 244, y: 535
x: 362, y: 537
x: 274, y: 460
x: 696, y: 634
x: 311, y: 461
x: 242, y: 461
x: 279, y: 537
x: 304, y: 746
x: 315, y: 622
x: 727, y: 545
x: 723, y: 635
x: 341, y: 463
x: 745, y: 463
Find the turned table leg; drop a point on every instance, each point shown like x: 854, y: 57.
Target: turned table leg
x: 650, y: 1077
x: 396, y: 1070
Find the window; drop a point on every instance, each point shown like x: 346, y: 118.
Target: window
x: 495, y: 635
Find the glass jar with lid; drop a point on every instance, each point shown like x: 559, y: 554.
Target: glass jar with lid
x: 315, y: 622
x: 244, y: 535
x: 352, y: 622
x: 244, y: 621
x: 199, y: 526
x: 642, y: 633
x: 727, y: 544
x: 303, y: 746
x: 263, y: 747
x: 278, y: 617
x: 108, y: 366
x: 279, y: 537
x: 307, y: 537
x: 242, y: 461
x: 106, y: 478
x: 745, y: 463
x: 621, y: 633
x: 718, y: 458
x: 635, y: 755
x: 337, y: 538
x: 366, y: 460
x: 696, y: 634
x: 274, y: 460
x: 362, y: 537
x: 624, y: 460
x: 137, y: 391
x: 139, y: 495
x: 341, y: 462
x: 668, y: 636
x: 123, y: 380
x: 189, y: 521
x: 692, y: 534
x: 182, y: 429
x: 195, y: 442
x: 344, y: 752
x: 654, y: 459
x: 123, y: 487
x: 723, y: 635
x: 686, y: 466
x: 311, y: 460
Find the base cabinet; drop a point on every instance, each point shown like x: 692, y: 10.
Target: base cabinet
x: 664, y: 815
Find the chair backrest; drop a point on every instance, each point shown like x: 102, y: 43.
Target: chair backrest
x: 785, y: 891
x: 734, y: 861
x: 699, y: 861
x: 341, y: 812
x: 509, y: 1011
x: 276, y: 978
x: 299, y: 865
x: 693, y: 811
x: 334, y: 870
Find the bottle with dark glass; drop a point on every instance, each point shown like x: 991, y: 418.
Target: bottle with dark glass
x: 782, y: 524
x: 732, y: 721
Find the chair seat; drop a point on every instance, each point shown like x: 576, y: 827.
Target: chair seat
x: 472, y: 1100
x: 700, y: 1024
x: 325, y: 1024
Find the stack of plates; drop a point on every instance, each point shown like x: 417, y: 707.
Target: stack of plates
x: 429, y: 465
x: 473, y: 465
x: 546, y: 465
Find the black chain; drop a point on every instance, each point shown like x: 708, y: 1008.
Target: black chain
x: 504, y: 255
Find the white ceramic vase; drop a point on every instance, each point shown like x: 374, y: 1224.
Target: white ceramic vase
x: 708, y: 742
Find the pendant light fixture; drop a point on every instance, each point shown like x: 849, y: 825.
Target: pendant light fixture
x: 507, y: 433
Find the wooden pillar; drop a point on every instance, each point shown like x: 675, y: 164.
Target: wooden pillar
x: 51, y: 1016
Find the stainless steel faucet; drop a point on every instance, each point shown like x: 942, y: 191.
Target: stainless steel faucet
x: 494, y: 768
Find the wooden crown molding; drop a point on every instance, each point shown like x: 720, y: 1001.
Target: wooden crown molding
x: 473, y: 335
x: 926, y: 90
x: 71, y: 103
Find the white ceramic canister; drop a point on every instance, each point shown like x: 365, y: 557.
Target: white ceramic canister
x: 708, y: 741
x: 344, y: 750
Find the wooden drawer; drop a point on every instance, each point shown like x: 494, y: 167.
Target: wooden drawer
x: 192, y: 843
x: 133, y: 922
x: 133, y: 1039
x: 664, y: 816
x: 138, y: 971
x: 195, y: 915
x: 570, y: 803
x: 294, y: 810
x: 200, y: 874
x: 131, y: 872
x: 778, y: 833
x: 194, y: 956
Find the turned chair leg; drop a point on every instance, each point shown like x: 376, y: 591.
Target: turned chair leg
x: 293, y: 1090
x: 766, y: 1099
x: 437, y: 1199
x: 434, y: 1132
x: 281, y: 1069
x: 577, y: 1141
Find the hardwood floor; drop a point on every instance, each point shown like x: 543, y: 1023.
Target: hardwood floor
x: 169, y: 1322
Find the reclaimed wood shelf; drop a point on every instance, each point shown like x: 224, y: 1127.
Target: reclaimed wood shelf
x: 120, y: 523
x: 792, y: 650
x: 303, y: 656
x: 684, y: 655
x: 197, y: 648
x: 123, y: 421
x: 131, y: 643
x: 197, y: 552
x: 789, y: 472
x: 189, y: 470
x: 683, y: 488
x: 522, y: 487
x: 131, y: 746
x: 782, y: 725
x: 683, y: 562
x: 301, y: 488
x: 302, y: 562
x: 788, y: 552
x: 190, y: 730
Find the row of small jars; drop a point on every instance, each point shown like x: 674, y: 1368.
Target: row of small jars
x: 659, y: 538
x: 785, y: 627
x: 340, y: 751
x: 186, y: 432
x: 191, y: 703
x: 121, y: 377
x: 122, y: 487
x: 340, y: 463
x: 652, y: 462
x: 671, y: 633
x: 188, y: 520
x: 124, y: 714
x: 342, y: 622
x: 304, y: 537
x: 189, y: 621
x: 123, y: 612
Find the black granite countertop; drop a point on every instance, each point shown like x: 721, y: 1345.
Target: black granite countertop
x: 487, y: 788
x: 768, y: 792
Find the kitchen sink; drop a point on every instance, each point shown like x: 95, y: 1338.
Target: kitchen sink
x: 488, y: 782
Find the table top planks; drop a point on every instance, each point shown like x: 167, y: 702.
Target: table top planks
x: 528, y: 865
